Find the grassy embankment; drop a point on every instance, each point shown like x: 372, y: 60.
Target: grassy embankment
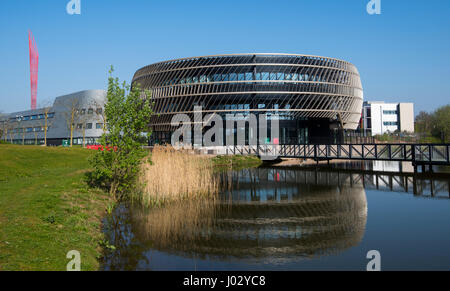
x: 46, y: 209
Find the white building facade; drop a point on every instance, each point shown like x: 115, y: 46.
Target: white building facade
x: 28, y: 127
x: 379, y: 117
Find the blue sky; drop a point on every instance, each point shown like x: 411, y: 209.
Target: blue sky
x: 403, y: 55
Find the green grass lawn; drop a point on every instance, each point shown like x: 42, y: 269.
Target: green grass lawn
x: 46, y: 209
x: 236, y: 162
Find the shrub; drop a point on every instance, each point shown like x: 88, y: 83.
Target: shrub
x: 127, y: 110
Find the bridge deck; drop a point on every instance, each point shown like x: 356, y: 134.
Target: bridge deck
x: 418, y: 154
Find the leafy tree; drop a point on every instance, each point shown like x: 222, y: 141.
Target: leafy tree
x: 128, y: 110
x: 424, y: 122
x: 442, y: 123
x: 435, y: 126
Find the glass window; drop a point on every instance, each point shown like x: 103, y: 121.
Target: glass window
x: 41, y: 116
x: 99, y: 110
x: 83, y: 111
x: 90, y: 111
x: 51, y: 115
x: 79, y: 126
x: 89, y: 125
x: 25, y: 118
x: 34, y: 117
x: 248, y: 76
x: 99, y: 126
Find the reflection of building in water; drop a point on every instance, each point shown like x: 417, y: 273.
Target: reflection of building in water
x: 264, y: 220
x: 399, y: 167
x: 423, y: 185
x: 269, y: 215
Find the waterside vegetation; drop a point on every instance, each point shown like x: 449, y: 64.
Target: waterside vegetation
x: 175, y: 176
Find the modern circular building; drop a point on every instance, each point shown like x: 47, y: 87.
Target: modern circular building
x: 314, y: 97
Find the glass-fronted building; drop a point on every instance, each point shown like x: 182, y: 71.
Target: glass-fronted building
x: 314, y: 98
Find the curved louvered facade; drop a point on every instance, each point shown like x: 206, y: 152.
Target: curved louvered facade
x: 312, y: 95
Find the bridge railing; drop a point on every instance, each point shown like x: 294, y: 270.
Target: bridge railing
x: 415, y: 153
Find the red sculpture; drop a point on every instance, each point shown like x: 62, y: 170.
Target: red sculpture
x: 34, y: 64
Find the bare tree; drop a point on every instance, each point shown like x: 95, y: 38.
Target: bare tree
x: 46, y: 107
x: 82, y: 119
x: 35, y: 136
x: 71, y: 114
x: 2, y: 122
x: 21, y: 127
x: 10, y: 130
x: 100, y: 112
x: 3, y: 131
x: 4, y: 128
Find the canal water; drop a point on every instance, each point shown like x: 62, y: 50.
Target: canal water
x: 294, y: 218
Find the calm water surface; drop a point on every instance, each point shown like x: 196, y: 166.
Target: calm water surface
x: 274, y: 218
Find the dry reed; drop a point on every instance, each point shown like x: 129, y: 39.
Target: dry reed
x: 178, y: 225
x: 175, y: 176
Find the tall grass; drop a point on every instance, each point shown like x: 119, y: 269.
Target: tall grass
x: 175, y: 176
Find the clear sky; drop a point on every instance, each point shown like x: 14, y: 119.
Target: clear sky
x: 403, y: 55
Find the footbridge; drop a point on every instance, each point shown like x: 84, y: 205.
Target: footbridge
x: 417, y: 154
